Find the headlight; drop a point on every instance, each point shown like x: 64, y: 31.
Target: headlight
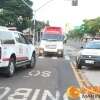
x: 60, y: 51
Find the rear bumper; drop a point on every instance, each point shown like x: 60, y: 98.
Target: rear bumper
x: 50, y: 51
x: 58, y: 52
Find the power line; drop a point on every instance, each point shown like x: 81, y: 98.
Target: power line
x: 43, y: 5
x: 26, y: 4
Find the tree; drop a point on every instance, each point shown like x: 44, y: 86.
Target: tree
x: 76, y: 33
x: 12, y: 11
x: 92, y: 26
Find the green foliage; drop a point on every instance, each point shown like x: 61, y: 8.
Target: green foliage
x: 12, y: 10
x: 90, y: 27
x: 39, y: 25
x: 76, y: 33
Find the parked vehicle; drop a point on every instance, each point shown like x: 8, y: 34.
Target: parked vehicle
x: 51, y: 41
x: 89, y: 55
x: 15, y: 51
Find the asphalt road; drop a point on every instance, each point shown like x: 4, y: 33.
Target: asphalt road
x: 47, y: 81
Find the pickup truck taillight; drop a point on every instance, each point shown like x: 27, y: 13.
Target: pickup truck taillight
x: 0, y: 52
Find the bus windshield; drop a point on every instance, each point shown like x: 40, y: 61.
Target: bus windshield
x: 52, y: 37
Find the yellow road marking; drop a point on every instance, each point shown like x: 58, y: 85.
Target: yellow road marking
x: 76, y: 75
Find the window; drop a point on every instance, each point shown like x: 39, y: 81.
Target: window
x: 6, y: 37
x: 20, y: 38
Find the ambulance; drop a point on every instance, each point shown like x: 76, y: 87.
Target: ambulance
x: 51, y: 41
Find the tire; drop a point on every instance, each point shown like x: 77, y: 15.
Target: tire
x: 11, y: 68
x: 32, y: 62
x: 62, y: 55
x: 79, y: 66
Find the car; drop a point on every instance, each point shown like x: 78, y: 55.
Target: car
x: 89, y: 55
x: 15, y: 51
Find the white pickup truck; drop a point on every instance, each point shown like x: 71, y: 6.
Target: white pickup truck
x: 15, y: 51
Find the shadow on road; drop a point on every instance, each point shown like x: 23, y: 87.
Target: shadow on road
x: 91, y: 68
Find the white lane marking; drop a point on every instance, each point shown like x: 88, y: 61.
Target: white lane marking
x: 47, y: 93
x: 67, y: 57
x: 41, y: 57
x: 20, y: 94
x: 7, y: 89
x: 35, y: 96
x: 54, y: 57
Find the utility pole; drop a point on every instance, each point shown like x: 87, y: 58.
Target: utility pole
x: 34, y: 19
x: 34, y: 22
x: 34, y: 13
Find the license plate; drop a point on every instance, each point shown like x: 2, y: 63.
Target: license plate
x: 89, y: 61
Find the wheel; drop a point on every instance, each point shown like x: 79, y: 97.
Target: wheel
x: 78, y: 65
x: 11, y: 68
x: 62, y: 55
x: 32, y: 62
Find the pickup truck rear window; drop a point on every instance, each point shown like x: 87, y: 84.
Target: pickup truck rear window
x: 6, y: 37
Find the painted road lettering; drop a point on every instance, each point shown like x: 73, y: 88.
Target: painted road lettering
x: 20, y: 94
x: 36, y: 94
x: 5, y: 92
x: 46, y: 73
x: 48, y: 94
x: 37, y: 73
x: 24, y: 94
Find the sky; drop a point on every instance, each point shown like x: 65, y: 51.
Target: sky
x: 61, y: 12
